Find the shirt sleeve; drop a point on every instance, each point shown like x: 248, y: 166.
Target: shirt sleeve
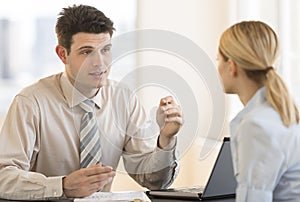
x: 144, y: 161
x: 259, y: 162
x: 19, y: 145
x: 155, y: 170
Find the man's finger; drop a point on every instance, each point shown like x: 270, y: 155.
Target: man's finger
x: 167, y: 100
x: 95, y: 170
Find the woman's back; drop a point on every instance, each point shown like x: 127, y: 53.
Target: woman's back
x: 265, y: 152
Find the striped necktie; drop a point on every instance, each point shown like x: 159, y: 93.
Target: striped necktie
x: 90, y: 151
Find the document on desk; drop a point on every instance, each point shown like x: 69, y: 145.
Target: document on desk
x: 134, y: 196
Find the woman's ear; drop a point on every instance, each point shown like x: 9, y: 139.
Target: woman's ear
x: 232, y: 68
x: 62, y: 53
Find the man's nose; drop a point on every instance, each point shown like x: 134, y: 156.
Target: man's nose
x: 98, y: 59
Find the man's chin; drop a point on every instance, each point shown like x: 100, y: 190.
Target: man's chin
x: 101, y: 83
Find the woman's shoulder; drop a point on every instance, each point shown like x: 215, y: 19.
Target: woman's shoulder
x: 265, y: 123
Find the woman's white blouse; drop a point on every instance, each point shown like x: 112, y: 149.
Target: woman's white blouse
x: 266, y: 154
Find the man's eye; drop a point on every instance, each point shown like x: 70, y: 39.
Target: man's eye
x: 86, y: 52
x: 106, y: 50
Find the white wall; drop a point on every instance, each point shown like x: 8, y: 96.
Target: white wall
x: 202, y: 22
x: 199, y: 20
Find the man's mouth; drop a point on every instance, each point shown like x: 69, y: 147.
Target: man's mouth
x: 97, y: 75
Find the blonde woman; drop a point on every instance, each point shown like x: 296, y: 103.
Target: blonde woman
x: 265, y: 135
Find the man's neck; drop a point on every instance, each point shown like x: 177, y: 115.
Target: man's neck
x: 89, y: 93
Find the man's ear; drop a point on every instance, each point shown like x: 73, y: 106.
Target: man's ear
x: 62, y: 53
x: 233, y: 68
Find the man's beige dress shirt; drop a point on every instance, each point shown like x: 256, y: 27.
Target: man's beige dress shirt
x: 39, y: 140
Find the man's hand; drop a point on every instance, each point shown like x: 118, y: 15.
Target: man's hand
x: 169, y: 118
x: 87, y: 181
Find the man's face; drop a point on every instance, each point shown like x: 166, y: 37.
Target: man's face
x: 89, y: 60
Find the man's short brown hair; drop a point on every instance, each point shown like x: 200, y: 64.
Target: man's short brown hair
x: 82, y: 18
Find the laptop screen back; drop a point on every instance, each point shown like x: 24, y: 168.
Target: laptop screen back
x: 221, y: 181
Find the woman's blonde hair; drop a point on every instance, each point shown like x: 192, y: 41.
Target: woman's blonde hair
x: 254, y: 47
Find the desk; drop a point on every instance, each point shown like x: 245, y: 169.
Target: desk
x: 3, y: 200
x: 172, y: 200
x: 153, y: 200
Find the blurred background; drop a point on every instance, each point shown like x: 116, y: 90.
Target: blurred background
x: 27, y: 53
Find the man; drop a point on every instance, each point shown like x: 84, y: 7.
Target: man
x: 64, y: 135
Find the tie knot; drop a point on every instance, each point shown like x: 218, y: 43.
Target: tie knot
x: 87, y: 105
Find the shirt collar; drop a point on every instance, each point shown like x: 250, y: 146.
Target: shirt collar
x: 73, y: 96
x: 257, y: 98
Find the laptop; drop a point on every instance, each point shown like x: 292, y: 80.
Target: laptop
x: 221, y: 182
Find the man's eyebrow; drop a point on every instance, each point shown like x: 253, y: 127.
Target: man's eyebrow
x: 91, y: 47
x: 85, y: 47
x: 109, y: 44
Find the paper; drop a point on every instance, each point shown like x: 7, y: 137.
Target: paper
x: 134, y: 196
